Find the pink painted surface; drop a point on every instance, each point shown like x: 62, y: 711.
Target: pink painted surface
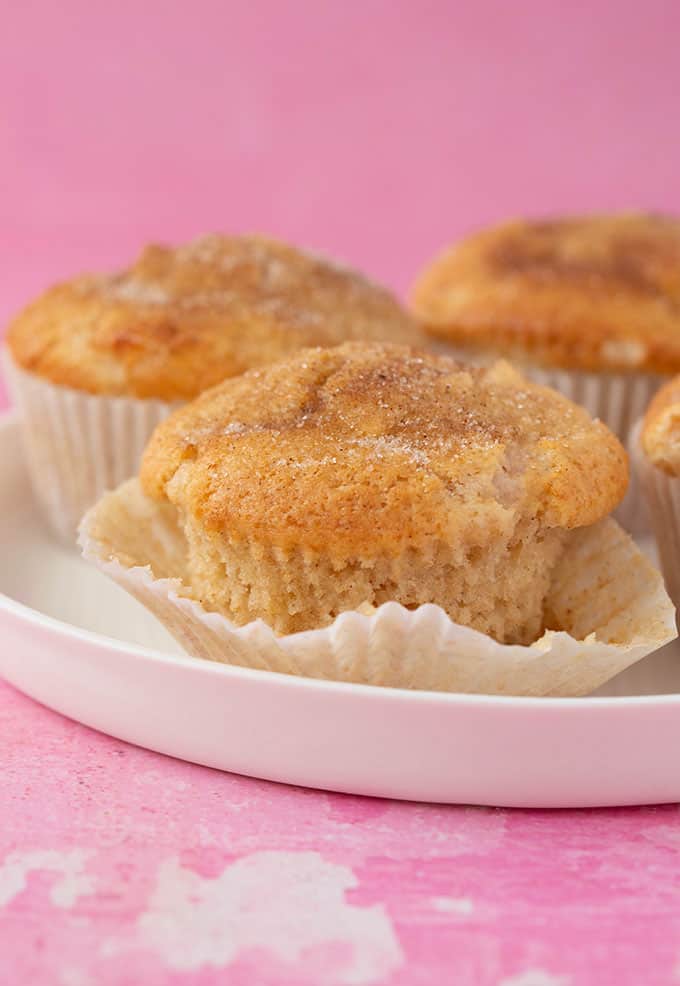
x: 120, y: 867
x: 378, y: 132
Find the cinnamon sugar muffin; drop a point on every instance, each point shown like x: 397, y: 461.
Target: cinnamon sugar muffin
x: 587, y: 304
x: 97, y: 361
x: 351, y: 476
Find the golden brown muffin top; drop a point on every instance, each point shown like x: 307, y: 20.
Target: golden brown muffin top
x: 595, y: 292
x: 182, y: 319
x: 660, y: 436
x: 370, y: 447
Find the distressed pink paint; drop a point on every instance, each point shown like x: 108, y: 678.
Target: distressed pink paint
x: 378, y: 132
x: 477, y: 895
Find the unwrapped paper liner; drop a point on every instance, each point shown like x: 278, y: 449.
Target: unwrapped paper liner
x: 662, y: 492
x: 77, y: 445
x: 617, y: 399
x: 606, y: 593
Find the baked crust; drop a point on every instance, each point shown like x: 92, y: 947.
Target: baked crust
x: 182, y: 319
x: 597, y: 292
x: 660, y: 436
x: 374, y: 449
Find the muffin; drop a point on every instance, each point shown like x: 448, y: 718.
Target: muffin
x: 589, y: 305
x: 97, y: 362
x: 375, y: 513
x: 657, y: 460
x: 368, y: 473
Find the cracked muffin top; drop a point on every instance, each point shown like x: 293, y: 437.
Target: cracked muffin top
x: 370, y: 447
x: 598, y: 292
x: 181, y: 319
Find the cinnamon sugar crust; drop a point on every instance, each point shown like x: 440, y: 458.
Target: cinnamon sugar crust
x: 367, y: 445
x: 598, y: 292
x: 182, y: 319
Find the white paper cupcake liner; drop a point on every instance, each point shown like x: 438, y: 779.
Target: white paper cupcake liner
x: 608, y: 599
x: 617, y: 399
x: 662, y: 493
x: 77, y: 445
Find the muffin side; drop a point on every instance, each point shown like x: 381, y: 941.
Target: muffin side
x: 656, y: 456
x: 349, y: 476
x: 660, y: 433
x: 300, y: 590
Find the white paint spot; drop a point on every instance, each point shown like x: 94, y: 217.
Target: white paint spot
x: 283, y: 902
x: 667, y: 836
x: 72, y: 883
x: 237, y: 806
x: 75, y: 977
x: 428, y: 832
x: 204, y: 836
x: 535, y: 977
x: 453, y: 905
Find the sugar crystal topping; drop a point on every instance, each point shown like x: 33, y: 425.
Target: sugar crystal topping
x: 373, y: 427
x: 403, y: 406
x: 236, y: 276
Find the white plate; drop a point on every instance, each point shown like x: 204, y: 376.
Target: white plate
x: 76, y: 642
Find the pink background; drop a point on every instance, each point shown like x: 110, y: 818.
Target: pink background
x: 378, y: 131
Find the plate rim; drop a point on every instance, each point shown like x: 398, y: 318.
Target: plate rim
x: 9, y: 421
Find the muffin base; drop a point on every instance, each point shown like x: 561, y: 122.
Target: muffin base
x: 77, y: 445
x: 607, y: 607
x: 504, y: 583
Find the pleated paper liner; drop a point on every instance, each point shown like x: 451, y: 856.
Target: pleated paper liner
x: 77, y: 445
x: 608, y: 608
x: 662, y: 492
